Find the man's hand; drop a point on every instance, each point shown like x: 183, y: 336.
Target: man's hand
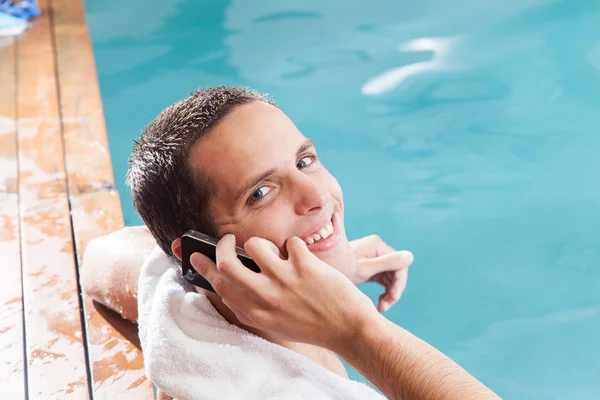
x: 303, y: 299
x: 378, y: 262
x: 290, y: 299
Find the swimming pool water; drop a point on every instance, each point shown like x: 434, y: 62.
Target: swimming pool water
x: 465, y: 131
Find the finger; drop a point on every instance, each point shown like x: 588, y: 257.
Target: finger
x: 394, y: 292
x: 371, y: 246
x: 265, y: 254
x: 207, y: 268
x: 264, y: 243
x: 230, y: 266
x: 382, y: 304
x: 204, y: 266
x: 227, y: 289
x: 399, y: 285
x: 382, y: 248
x: 383, y: 278
x: 366, y: 246
x: 389, y: 262
x: 297, y: 250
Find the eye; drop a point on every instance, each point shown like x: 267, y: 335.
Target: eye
x: 305, y: 162
x: 259, y: 193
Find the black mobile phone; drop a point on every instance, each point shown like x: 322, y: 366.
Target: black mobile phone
x: 196, y: 242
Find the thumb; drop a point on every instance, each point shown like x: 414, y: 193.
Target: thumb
x: 388, y: 262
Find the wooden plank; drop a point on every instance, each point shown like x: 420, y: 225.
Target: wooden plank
x: 12, y: 373
x: 54, y: 345
x: 117, y: 364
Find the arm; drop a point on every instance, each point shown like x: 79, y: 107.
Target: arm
x: 286, y: 300
x: 111, y: 267
x: 403, y: 366
x: 110, y: 271
x: 112, y: 263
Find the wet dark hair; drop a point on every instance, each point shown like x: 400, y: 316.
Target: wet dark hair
x: 169, y: 194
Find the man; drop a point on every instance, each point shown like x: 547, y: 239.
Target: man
x: 229, y: 163
x: 227, y: 160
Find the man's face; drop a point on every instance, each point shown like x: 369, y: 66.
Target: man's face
x: 269, y: 183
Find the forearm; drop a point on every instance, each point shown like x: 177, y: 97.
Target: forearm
x: 111, y: 266
x: 404, y: 367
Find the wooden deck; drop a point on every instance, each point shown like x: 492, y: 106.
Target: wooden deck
x: 56, y: 194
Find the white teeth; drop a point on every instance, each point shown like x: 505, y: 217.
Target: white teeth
x: 324, y: 233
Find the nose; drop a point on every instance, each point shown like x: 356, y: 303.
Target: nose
x: 309, y: 194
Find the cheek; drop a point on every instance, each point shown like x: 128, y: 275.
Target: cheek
x: 273, y: 223
x: 334, y: 187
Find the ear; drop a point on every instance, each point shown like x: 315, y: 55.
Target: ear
x: 176, y: 248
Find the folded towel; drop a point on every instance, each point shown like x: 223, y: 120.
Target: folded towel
x: 192, y: 352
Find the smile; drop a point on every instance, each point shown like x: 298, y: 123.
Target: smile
x: 324, y: 236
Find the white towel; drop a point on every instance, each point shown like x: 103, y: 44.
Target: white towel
x: 192, y: 352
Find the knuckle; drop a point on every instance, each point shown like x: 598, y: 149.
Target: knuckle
x: 269, y: 299
x: 223, y: 265
x: 257, y: 317
x: 220, y: 286
x: 302, y: 268
x: 375, y: 238
x: 305, y: 265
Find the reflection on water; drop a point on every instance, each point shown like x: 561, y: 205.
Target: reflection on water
x: 440, y: 60
x: 466, y: 131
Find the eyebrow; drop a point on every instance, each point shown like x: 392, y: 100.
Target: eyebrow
x: 305, y: 146
x: 257, y: 179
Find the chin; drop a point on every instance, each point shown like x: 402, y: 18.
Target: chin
x: 343, y: 259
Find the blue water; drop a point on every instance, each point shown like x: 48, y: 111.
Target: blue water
x: 465, y: 131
